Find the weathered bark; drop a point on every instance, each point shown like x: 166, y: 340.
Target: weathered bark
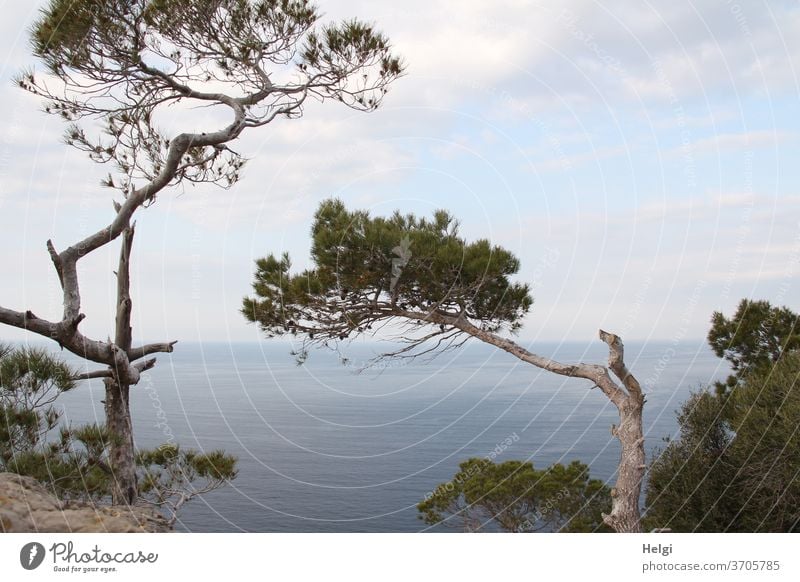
x: 118, y: 413
x: 625, y: 516
x: 124, y: 487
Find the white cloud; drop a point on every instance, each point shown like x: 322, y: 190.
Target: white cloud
x: 485, y: 80
x: 567, y: 163
x: 736, y: 141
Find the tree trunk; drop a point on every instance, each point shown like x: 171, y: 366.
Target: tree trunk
x: 626, y: 396
x: 118, y: 412
x: 124, y: 490
x: 625, y: 516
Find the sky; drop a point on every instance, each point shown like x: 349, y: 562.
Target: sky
x: 641, y: 160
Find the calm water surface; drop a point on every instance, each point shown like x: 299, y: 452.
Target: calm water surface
x: 324, y: 448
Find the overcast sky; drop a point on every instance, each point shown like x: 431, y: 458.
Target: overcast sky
x: 641, y: 160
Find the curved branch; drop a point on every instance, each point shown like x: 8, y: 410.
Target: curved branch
x: 595, y: 373
x: 178, y: 147
x: 184, y: 90
x: 66, y: 331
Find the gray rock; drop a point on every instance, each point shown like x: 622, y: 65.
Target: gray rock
x: 27, y: 506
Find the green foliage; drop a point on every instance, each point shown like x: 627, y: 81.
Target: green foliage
x: 73, y: 462
x: 169, y: 465
x: 513, y: 496
x: 371, y: 269
x: 72, y: 466
x: 170, y: 476
x: 232, y: 35
x: 32, y: 374
x: 123, y: 62
x: 755, y: 338
x: 688, y: 481
x: 765, y: 415
x: 736, y: 463
x: 30, y: 381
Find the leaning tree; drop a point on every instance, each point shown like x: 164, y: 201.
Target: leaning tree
x: 423, y: 283
x: 113, y: 67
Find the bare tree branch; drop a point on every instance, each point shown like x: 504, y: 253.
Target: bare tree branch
x: 106, y: 373
x: 616, y: 362
x: 147, y: 349
x: 145, y: 365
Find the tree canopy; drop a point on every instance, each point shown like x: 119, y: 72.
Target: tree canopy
x: 370, y: 270
x: 735, y: 465
x: 123, y: 62
x: 30, y: 382
x: 514, y: 497
x: 754, y: 338
x: 420, y: 282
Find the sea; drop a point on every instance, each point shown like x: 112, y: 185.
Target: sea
x: 340, y: 443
